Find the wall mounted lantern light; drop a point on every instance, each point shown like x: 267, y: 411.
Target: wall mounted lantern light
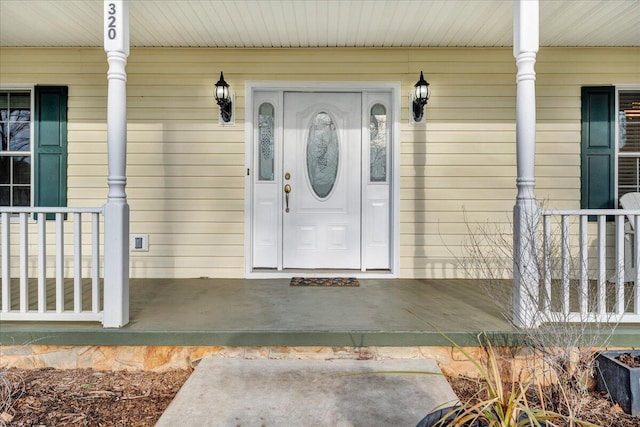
x: 223, y: 98
x: 420, y: 96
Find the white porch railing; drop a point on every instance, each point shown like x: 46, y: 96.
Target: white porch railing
x: 589, y: 268
x: 50, y: 300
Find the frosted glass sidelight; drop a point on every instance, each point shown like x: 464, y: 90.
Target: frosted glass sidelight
x: 378, y: 142
x: 323, y: 152
x: 266, y: 142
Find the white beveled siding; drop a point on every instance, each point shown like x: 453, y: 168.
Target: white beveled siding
x: 186, y: 173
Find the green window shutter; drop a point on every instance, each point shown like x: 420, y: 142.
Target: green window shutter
x: 598, y: 148
x: 50, y: 150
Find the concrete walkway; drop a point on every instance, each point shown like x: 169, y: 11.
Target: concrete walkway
x: 274, y: 393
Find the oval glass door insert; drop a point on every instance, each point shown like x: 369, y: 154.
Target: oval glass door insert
x: 323, y: 152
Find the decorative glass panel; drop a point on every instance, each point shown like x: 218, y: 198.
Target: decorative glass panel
x: 265, y: 142
x: 378, y: 141
x: 322, y: 154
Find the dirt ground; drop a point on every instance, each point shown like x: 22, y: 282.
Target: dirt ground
x: 84, y: 397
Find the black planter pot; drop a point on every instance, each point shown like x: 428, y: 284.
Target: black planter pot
x: 619, y: 380
x: 433, y: 418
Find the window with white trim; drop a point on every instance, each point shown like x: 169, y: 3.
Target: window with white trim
x: 15, y: 147
x: 628, y: 138
x: 33, y: 146
x: 610, y: 133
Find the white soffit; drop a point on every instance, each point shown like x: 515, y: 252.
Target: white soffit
x: 315, y: 23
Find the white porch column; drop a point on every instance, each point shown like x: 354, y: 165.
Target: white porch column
x: 116, y: 210
x: 525, y: 212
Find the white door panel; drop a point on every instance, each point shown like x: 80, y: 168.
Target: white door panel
x: 322, y: 157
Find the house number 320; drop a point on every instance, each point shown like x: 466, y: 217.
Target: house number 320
x: 111, y: 21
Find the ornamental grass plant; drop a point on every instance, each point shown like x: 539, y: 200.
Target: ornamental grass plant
x: 502, y: 402
x: 561, y: 343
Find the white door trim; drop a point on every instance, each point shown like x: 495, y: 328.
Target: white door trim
x: 251, y: 87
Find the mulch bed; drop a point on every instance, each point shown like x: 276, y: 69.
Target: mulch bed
x: 597, y: 408
x: 84, y: 397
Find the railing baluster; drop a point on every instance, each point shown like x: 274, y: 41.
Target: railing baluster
x: 565, y: 263
x: 546, y: 260
x: 95, y: 263
x: 602, y: 266
x: 584, y: 299
x: 6, y: 262
x: 59, y: 262
x: 595, y: 303
x: 77, y: 262
x: 584, y: 265
x: 620, y: 270
x: 42, y: 263
x: 16, y: 219
x: 24, y: 263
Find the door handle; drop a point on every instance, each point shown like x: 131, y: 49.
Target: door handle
x: 287, y: 190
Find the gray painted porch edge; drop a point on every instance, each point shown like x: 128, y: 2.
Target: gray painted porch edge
x: 243, y: 312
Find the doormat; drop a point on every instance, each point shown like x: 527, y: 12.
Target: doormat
x: 324, y: 281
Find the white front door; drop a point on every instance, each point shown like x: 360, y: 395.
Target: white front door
x: 322, y: 180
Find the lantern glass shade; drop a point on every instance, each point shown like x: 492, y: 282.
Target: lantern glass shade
x: 222, y: 89
x: 422, y: 90
x: 222, y: 92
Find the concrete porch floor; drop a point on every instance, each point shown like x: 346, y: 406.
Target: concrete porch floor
x: 238, y: 312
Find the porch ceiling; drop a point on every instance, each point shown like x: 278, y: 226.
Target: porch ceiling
x: 319, y: 23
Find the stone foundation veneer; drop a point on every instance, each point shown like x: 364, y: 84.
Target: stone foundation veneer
x: 512, y: 361
x: 162, y: 358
